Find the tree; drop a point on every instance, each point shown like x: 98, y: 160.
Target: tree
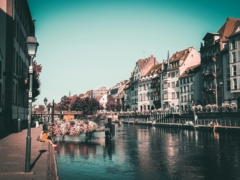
x: 65, y: 103
x: 111, y: 103
x: 37, y: 69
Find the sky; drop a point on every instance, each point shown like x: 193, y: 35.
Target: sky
x: 87, y: 44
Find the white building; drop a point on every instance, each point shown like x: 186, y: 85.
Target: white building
x: 176, y: 65
x: 234, y: 64
x: 190, y: 88
x: 141, y: 69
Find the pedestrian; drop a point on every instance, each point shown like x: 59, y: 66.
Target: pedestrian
x: 44, y: 138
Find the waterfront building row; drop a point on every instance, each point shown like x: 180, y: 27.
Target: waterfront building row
x: 188, y: 78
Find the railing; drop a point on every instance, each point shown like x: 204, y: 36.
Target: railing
x: 208, y: 121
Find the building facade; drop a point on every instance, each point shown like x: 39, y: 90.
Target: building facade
x: 98, y: 92
x: 175, y: 66
x: 16, y: 25
x: 140, y: 70
x: 216, y: 65
x: 190, y: 88
x: 234, y: 64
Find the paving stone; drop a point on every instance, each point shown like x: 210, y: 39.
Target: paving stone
x: 12, y: 157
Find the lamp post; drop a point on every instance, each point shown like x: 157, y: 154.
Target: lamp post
x: 45, y: 111
x: 32, y: 45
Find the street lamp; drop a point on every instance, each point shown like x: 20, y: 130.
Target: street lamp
x: 32, y: 46
x: 45, y: 111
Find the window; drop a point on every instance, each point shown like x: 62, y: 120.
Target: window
x: 173, y: 74
x: 228, y: 72
x: 177, y: 84
x: 173, y: 95
x: 165, y: 96
x: 234, y: 83
x: 234, y: 70
x: 177, y: 95
x: 165, y: 85
x: 168, y: 74
x: 228, y: 85
x: 173, y: 84
x: 233, y: 44
x: 233, y: 57
x: 227, y: 59
x: 168, y: 84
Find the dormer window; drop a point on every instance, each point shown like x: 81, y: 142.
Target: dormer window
x: 238, y: 29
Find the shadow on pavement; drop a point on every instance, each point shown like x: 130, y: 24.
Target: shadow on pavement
x: 4, y: 134
x: 34, y: 162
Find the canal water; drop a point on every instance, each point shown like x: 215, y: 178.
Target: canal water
x: 145, y: 152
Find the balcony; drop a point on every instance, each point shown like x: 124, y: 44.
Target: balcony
x: 207, y: 73
x: 209, y: 89
x: 210, y: 57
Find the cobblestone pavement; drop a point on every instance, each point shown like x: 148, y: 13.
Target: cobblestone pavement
x: 12, y: 157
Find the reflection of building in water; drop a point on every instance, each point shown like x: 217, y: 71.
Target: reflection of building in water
x: 77, y: 149
x: 216, y: 136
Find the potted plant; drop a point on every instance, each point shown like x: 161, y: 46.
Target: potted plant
x: 199, y: 108
x: 214, y: 107
x: 208, y: 108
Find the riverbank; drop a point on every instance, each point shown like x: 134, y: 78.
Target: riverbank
x: 183, y: 126
x: 12, y: 157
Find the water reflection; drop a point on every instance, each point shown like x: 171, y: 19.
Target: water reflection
x: 138, y: 152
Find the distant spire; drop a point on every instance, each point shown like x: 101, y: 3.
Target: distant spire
x: 69, y: 93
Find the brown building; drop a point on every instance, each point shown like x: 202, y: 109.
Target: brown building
x: 16, y: 25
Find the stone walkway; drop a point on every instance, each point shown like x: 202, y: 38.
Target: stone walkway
x: 12, y: 157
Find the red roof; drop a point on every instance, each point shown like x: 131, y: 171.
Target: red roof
x: 190, y: 71
x: 227, y: 28
x: 181, y: 55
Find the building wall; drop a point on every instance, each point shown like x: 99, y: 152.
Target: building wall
x: 226, y: 79
x: 192, y: 59
x: 3, y: 18
x: 16, y: 25
x: 144, y: 95
x: 234, y: 58
x: 197, y: 88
